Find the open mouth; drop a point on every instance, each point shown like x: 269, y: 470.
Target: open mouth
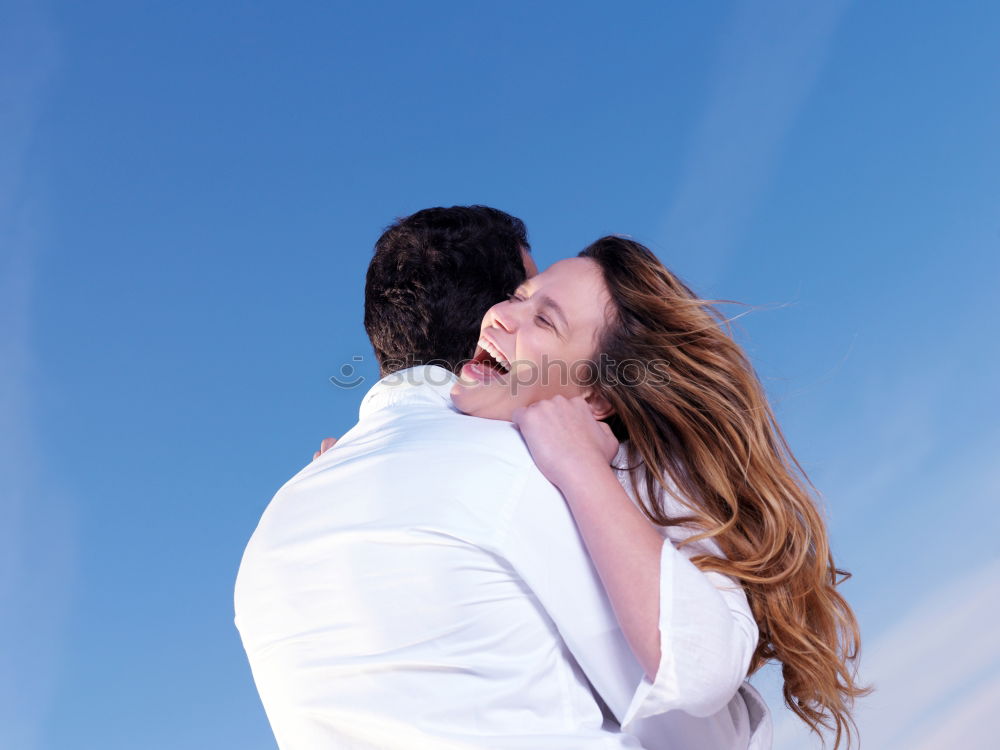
x: 490, y: 355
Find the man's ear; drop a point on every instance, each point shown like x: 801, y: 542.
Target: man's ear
x: 600, y: 407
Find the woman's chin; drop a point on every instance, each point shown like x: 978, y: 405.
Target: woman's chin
x: 484, y: 400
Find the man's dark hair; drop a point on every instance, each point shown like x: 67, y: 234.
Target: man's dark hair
x: 433, y: 277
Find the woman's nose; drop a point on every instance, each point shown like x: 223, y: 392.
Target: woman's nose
x: 504, y: 317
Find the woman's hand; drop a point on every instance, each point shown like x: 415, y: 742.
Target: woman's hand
x: 565, y: 440
x: 326, y: 445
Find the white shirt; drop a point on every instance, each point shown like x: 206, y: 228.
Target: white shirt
x: 421, y: 585
x: 707, y: 645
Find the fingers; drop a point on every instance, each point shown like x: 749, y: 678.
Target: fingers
x: 324, y: 446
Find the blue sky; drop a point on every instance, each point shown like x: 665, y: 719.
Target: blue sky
x: 189, y: 193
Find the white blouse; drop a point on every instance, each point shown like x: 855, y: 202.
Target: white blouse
x: 707, y: 638
x: 421, y: 585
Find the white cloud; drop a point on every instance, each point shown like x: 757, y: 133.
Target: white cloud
x: 936, y: 673
x: 970, y: 726
x: 770, y: 57
x: 36, y: 532
x: 947, y: 642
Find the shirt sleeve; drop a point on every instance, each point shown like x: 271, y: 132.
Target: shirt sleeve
x: 707, y: 631
x: 707, y: 638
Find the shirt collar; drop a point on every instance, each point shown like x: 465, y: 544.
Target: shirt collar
x: 424, y: 384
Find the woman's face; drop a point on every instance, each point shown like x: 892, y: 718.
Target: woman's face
x: 535, y: 345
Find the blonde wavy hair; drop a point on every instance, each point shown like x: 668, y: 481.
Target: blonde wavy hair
x: 709, y: 426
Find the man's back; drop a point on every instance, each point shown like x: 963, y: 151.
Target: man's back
x: 383, y: 600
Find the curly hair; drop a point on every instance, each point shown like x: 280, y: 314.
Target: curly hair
x: 432, y: 278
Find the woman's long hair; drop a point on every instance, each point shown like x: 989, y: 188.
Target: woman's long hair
x: 688, y: 401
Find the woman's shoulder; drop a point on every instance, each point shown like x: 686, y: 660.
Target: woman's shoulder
x: 667, y: 499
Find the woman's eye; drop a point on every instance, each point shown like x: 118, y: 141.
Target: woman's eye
x: 515, y: 297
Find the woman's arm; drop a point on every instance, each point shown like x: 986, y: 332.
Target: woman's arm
x: 692, y: 632
x: 625, y: 547
x: 574, y: 451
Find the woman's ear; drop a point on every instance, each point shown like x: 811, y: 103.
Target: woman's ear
x: 600, y: 407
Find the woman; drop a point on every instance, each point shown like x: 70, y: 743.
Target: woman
x: 649, y: 359
x: 608, y: 347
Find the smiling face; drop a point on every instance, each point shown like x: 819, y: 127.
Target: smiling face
x: 534, y: 345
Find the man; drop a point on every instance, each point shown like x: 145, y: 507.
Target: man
x: 423, y: 586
